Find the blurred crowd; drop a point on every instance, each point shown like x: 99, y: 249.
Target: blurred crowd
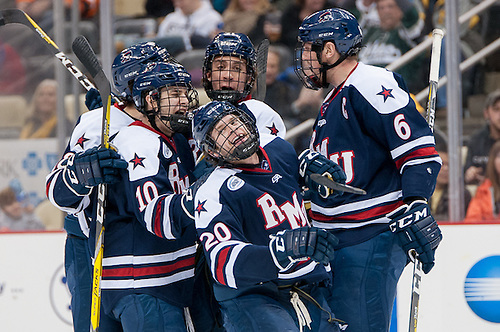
x: 185, y: 27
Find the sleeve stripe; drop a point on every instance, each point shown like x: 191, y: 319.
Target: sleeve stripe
x: 157, y: 217
x: 402, y: 149
x: 423, y: 152
x: 221, y: 262
x: 231, y: 281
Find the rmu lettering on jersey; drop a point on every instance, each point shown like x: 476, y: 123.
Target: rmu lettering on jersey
x: 274, y: 215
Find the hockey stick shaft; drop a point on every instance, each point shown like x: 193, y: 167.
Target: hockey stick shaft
x: 8, y: 16
x: 437, y: 38
x: 86, y: 55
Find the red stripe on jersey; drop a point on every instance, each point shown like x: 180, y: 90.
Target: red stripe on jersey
x: 157, y: 218
x: 221, y: 263
x: 128, y: 272
x: 378, y: 211
x: 423, y: 152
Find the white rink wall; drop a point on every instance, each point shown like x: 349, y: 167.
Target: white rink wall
x: 34, y: 296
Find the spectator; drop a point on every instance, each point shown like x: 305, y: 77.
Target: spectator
x: 12, y: 71
x: 42, y: 122
x: 486, y: 202
x: 196, y: 21
x: 481, y: 141
x: 13, y: 216
x: 304, y: 108
x: 293, y: 16
x: 247, y: 17
x: 392, y: 37
x: 279, y: 94
x: 439, y: 200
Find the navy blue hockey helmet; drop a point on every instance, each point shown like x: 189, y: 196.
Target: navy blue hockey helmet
x: 131, y: 61
x: 329, y: 25
x: 221, y: 148
x: 182, y: 96
x: 236, y: 45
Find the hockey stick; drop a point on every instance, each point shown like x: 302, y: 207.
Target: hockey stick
x: 323, y: 180
x: 86, y: 55
x: 261, y: 58
x: 437, y: 37
x: 8, y: 16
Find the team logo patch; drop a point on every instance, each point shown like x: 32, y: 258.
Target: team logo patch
x: 386, y: 93
x: 137, y: 161
x: 273, y: 130
x: 321, y: 122
x: 167, y: 153
x: 234, y: 183
x: 326, y: 16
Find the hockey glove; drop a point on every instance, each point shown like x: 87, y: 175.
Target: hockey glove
x: 94, y: 166
x: 314, y: 162
x: 416, y: 229
x: 290, y: 246
x: 93, y: 99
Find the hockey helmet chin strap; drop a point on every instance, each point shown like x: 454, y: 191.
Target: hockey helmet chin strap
x: 324, y: 66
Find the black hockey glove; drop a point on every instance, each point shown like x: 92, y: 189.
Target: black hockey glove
x: 417, y: 229
x: 92, y: 167
x: 292, y: 245
x: 314, y: 162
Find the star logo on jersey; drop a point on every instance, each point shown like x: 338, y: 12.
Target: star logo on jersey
x: 137, y: 161
x: 81, y: 140
x: 273, y: 130
x: 386, y: 93
x: 200, y: 207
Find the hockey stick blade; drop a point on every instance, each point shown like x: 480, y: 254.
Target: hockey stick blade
x: 323, y: 180
x: 8, y: 16
x: 437, y: 37
x: 261, y: 58
x: 88, y: 58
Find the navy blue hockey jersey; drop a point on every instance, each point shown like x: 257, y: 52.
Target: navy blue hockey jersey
x: 236, y: 211
x: 370, y: 127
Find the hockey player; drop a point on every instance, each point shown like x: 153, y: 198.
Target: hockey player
x: 368, y: 124
x: 229, y: 74
x: 270, y: 267
x: 86, y: 136
x: 140, y: 270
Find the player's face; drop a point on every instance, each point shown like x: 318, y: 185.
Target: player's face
x: 310, y: 62
x: 229, y: 133
x: 228, y: 73
x: 173, y: 100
